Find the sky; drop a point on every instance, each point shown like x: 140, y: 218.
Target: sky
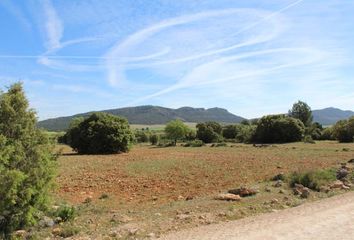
x: 252, y: 57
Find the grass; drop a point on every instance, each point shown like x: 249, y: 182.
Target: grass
x: 313, y: 179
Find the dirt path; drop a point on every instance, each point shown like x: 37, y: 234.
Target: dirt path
x: 331, y: 218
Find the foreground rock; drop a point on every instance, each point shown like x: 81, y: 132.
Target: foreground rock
x: 243, y: 192
x: 302, y: 191
x: 228, y: 197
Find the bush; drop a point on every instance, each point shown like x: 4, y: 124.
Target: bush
x: 195, y: 143
x: 279, y: 129
x: 154, y: 139
x: 327, y: 134
x: 246, y: 133
x: 142, y: 136
x: 230, y: 131
x: 313, y: 179
x: 343, y: 130
x: 308, y: 139
x: 221, y: 144
x: 100, y: 133
x: 27, y: 163
x: 209, y: 132
x: 66, y: 213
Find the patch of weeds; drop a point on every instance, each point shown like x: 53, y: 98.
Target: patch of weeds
x: 104, y: 196
x: 195, y: 143
x: 313, y: 179
x: 221, y: 144
x: 65, y: 213
x: 68, y: 231
x: 345, y: 149
x: 308, y: 139
x: 87, y: 200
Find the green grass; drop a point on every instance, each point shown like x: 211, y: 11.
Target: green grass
x: 313, y: 179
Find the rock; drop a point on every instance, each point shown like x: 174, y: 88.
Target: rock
x: 188, y: 198
x: 302, y: 191
x: 243, y: 191
x: 154, y: 198
x: 46, y: 222
x: 267, y: 189
x: 342, y: 173
x: 278, y: 183
x: 279, y: 176
x: 121, y: 218
x: 351, y: 160
x: 20, y: 234
x: 56, y: 231
x: 337, y: 184
x: 281, y: 191
x: 151, y: 235
x: 324, y: 189
x: 180, y: 198
x: 228, y: 197
x: 183, y: 216
x: 305, y: 192
x: 274, y: 201
x: 133, y: 231
x: 345, y: 187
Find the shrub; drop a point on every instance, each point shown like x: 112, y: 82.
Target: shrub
x: 191, y: 135
x: 68, y: 231
x: 279, y: 129
x: 27, y: 163
x: 230, y: 131
x: 154, y: 139
x: 66, y: 213
x: 313, y: 179
x: 327, y: 134
x: 176, y: 130
x: 246, y: 133
x: 209, y: 132
x: 195, y: 143
x: 343, y: 130
x: 100, y: 133
x: 142, y: 136
x: 308, y: 139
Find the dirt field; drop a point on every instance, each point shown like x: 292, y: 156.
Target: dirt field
x: 147, y: 188
x: 147, y: 172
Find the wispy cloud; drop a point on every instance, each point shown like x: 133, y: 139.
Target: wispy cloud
x: 53, y: 25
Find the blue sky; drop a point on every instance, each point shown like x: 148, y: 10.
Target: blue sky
x: 251, y: 57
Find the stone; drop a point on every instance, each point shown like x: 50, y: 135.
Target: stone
x: 243, y: 191
x: 337, y: 184
x: 351, y: 160
x: 228, y: 197
x: 345, y: 187
x: 279, y: 176
x: 342, y: 173
x: 121, y: 218
x: 274, y: 201
x: 56, y: 231
x: 46, y: 222
x: 183, y: 216
x: 267, y: 189
x: 151, y: 235
x: 278, y: 183
x: 20, y: 234
x: 305, y: 193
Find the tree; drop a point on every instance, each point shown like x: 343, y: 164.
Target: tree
x: 278, y: 129
x: 27, y: 163
x: 209, y: 132
x: 154, y: 139
x: 343, y: 130
x: 230, y: 131
x: 100, y: 133
x: 176, y: 130
x: 302, y: 111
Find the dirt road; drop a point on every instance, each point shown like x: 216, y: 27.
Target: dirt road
x: 331, y: 218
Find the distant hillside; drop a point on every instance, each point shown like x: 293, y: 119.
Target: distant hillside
x: 330, y: 116
x: 152, y: 115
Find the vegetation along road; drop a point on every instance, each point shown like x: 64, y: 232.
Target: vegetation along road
x: 331, y: 218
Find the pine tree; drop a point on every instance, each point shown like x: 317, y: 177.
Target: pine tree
x: 27, y: 163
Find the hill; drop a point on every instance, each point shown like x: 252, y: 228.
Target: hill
x: 152, y: 115
x: 329, y: 116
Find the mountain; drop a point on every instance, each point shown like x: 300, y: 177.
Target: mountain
x: 152, y: 115
x: 330, y: 116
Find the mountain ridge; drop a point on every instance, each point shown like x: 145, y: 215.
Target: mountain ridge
x: 149, y: 115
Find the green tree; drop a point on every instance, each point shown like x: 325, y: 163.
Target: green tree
x: 209, y: 132
x: 100, y: 133
x: 343, y: 130
x: 27, y: 163
x: 230, y: 131
x: 154, y: 139
x: 279, y: 129
x: 176, y: 130
x: 302, y: 111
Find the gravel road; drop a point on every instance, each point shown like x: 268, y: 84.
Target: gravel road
x: 331, y: 218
